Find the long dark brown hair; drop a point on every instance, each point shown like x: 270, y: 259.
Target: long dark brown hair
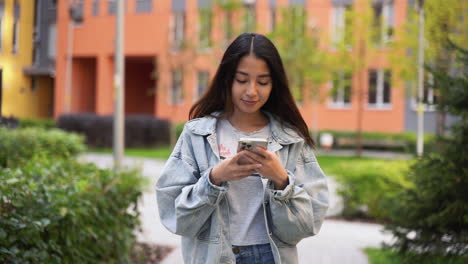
x: 280, y: 103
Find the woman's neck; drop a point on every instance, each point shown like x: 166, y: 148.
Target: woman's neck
x: 248, y: 122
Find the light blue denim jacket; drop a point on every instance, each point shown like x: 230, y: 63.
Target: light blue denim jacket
x: 191, y: 206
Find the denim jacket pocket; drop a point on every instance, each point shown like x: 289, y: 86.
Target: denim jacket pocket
x: 206, y: 233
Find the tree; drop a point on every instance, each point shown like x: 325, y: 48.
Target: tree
x: 306, y: 64
x: 431, y: 217
x: 365, y: 30
x: 444, y: 19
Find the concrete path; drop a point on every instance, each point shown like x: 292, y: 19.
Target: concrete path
x: 338, y: 241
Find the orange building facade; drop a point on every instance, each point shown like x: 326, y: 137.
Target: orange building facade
x: 167, y: 70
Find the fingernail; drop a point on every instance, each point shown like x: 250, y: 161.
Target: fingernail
x: 259, y: 165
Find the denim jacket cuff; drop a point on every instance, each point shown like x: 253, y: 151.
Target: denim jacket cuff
x: 287, y: 192
x: 214, y: 192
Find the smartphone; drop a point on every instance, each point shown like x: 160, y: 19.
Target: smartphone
x: 250, y: 143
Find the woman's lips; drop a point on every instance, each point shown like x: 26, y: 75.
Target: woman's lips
x: 249, y: 102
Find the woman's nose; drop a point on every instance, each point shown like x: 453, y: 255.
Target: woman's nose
x: 252, y: 89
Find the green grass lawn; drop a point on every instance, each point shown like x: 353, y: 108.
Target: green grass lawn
x: 385, y: 256
x: 331, y: 165
x: 156, y: 153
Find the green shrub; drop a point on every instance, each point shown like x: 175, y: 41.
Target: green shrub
x: 140, y: 130
x: 432, y: 217
x: 41, y: 123
x: 19, y: 145
x: 408, y: 139
x: 179, y: 129
x: 61, y: 211
x: 366, y: 186
x: 386, y: 256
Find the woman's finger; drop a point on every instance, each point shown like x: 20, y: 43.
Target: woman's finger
x: 262, y: 152
x: 258, y: 158
x: 251, y: 160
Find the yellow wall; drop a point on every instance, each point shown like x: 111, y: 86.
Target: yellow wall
x: 19, y: 99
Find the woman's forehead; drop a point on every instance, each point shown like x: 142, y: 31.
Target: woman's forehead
x: 251, y: 65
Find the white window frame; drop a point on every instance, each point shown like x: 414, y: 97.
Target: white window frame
x: 197, y: 84
x: 174, y: 89
x: 338, y: 24
x: 340, y: 102
x: 387, y: 21
x: 177, y: 26
x: 272, y: 19
x: 379, y: 93
x: 204, y: 41
x: 427, y: 107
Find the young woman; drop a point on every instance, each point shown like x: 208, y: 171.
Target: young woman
x: 222, y: 208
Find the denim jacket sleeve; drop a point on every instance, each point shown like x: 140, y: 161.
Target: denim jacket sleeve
x: 299, y: 210
x: 186, y: 198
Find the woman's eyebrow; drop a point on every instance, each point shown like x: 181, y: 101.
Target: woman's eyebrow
x: 260, y: 76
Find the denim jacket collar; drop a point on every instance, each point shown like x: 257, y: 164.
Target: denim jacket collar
x: 281, y: 133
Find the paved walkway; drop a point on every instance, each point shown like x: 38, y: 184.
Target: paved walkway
x: 338, y: 241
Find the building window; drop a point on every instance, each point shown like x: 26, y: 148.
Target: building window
x: 340, y: 96
x: 272, y: 19
x: 76, y: 13
x: 206, y: 16
x: 112, y: 7
x: 429, y: 94
x: 144, y: 6
x: 176, y: 94
x: 51, y: 50
x: 95, y: 7
x: 33, y: 84
x: 16, y: 27
x: 228, y: 27
x: 249, y: 17
x: 383, y: 21
x: 379, y: 89
x: 202, y: 83
x: 2, y: 10
x: 52, y: 4
x: 341, y: 16
x: 178, y: 24
x: 298, y: 20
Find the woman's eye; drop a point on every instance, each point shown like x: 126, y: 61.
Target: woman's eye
x: 263, y: 83
x: 241, y: 81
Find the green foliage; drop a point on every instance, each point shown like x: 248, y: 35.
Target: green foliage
x: 61, y: 211
x: 19, y: 145
x: 298, y: 45
x: 385, y: 256
x: 39, y: 123
x: 179, y: 129
x: 432, y: 217
x: 366, y: 186
x: 406, y: 142
x: 443, y: 21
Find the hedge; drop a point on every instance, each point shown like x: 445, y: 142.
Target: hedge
x: 56, y: 210
x: 368, y: 185
x: 19, y: 145
x: 41, y: 123
x: 61, y: 211
x: 140, y: 130
x: 409, y: 140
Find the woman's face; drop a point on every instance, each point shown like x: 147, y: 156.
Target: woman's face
x: 252, y: 85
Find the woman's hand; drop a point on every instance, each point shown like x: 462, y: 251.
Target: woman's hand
x: 230, y: 170
x: 271, y: 166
